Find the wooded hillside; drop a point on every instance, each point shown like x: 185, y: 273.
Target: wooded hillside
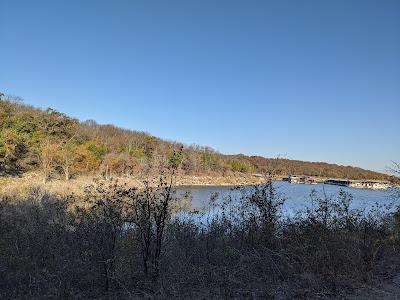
x: 59, y: 146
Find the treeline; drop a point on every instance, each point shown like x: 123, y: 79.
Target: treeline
x: 320, y: 169
x: 63, y: 147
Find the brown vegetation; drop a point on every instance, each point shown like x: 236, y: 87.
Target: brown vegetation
x: 61, y: 147
x: 119, y: 242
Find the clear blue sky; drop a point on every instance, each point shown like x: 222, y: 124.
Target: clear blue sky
x: 309, y: 80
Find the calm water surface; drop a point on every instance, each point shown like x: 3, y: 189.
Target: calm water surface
x: 297, y: 195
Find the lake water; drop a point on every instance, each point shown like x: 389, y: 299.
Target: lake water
x: 297, y: 195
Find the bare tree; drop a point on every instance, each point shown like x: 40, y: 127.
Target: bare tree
x: 150, y: 211
x: 67, y: 159
x: 106, y: 205
x: 395, y: 169
x: 48, y: 154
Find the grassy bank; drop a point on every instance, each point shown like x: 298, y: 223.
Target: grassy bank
x: 20, y: 186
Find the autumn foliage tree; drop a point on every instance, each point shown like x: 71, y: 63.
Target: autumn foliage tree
x: 47, y: 140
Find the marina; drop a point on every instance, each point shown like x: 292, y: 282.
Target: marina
x: 359, y: 184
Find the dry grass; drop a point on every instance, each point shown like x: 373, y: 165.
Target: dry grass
x: 19, y: 187
x: 50, y: 251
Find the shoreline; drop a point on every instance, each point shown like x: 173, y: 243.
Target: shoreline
x: 20, y: 185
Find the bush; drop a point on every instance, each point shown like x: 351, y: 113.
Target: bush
x: 121, y: 242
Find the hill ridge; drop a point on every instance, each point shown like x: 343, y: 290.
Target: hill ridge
x: 61, y: 146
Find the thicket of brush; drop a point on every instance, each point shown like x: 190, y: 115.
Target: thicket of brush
x: 119, y: 242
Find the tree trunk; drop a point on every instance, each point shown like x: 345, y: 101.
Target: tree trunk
x: 67, y: 173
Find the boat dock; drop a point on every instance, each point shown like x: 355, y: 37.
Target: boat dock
x: 302, y: 179
x: 360, y: 184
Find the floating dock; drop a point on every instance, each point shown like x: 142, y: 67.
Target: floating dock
x: 301, y: 179
x: 360, y: 184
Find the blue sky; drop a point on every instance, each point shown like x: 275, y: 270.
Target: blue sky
x: 308, y: 80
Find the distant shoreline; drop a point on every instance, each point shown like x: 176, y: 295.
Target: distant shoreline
x: 21, y: 185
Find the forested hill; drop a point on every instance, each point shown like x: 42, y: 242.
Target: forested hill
x: 62, y: 147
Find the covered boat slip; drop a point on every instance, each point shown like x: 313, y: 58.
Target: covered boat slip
x: 362, y: 184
